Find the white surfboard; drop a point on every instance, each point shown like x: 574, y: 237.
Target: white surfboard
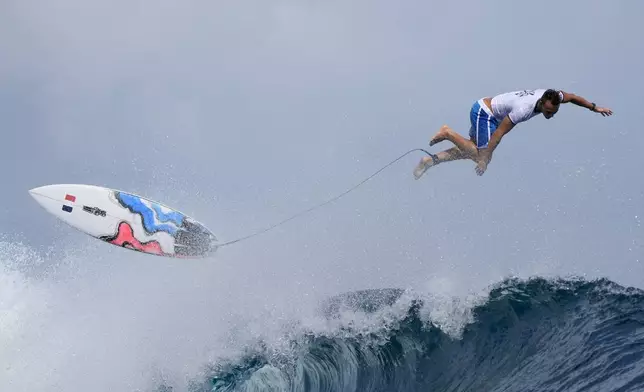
x: 127, y: 220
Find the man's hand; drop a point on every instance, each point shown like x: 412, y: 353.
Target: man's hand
x: 603, y: 111
x: 484, y: 158
x: 481, y: 167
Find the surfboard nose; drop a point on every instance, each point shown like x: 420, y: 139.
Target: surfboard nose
x: 42, y: 194
x: 34, y: 191
x: 41, y: 190
x: 39, y: 194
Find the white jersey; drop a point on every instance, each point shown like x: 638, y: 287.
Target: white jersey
x: 518, y: 105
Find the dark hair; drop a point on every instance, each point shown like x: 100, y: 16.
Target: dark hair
x: 551, y: 95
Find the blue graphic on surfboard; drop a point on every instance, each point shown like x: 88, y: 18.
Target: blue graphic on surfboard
x: 153, y: 216
x: 189, y: 236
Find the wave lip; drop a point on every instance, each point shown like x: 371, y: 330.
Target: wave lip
x: 529, y: 335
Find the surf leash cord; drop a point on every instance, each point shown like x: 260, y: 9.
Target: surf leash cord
x: 310, y: 209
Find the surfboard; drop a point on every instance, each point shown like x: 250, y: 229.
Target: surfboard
x: 127, y: 220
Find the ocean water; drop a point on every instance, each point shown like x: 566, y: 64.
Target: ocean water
x: 65, y: 327
x: 528, y: 335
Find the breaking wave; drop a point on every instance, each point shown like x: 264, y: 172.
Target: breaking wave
x: 527, y: 335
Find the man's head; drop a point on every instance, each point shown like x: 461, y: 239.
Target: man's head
x: 549, y: 103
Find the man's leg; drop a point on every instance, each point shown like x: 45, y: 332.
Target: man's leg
x: 482, y: 125
x: 467, y: 147
x: 481, y: 128
x: 425, y: 163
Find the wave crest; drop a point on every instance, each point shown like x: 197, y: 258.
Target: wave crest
x: 530, y: 334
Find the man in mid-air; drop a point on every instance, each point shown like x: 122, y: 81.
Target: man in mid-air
x: 492, y: 118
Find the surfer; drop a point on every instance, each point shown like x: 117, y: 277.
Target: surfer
x: 492, y: 118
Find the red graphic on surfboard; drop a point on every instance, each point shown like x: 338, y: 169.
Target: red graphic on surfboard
x: 125, y: 237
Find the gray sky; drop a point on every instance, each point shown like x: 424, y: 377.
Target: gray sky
x: 242, y: 113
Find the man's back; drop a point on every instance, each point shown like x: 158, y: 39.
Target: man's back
x: 518, y: 105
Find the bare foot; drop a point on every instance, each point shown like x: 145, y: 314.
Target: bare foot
x: 441, y: 135
x: 424, y: 164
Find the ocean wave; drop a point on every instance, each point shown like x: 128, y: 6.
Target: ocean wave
x: 528, y: 335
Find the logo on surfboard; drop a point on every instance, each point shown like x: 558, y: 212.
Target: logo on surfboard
x: 95, y: 211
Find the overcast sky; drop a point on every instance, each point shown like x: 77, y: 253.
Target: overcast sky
x: 242, y: 113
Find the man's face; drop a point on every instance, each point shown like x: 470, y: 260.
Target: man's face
x: 548, y: 109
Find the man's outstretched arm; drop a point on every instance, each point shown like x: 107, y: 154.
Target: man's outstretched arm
x: 504, y: 127
x: 485, y: 154
x: 584, y: 103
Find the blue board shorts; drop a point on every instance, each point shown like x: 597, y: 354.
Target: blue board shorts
x: 483, y: 125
